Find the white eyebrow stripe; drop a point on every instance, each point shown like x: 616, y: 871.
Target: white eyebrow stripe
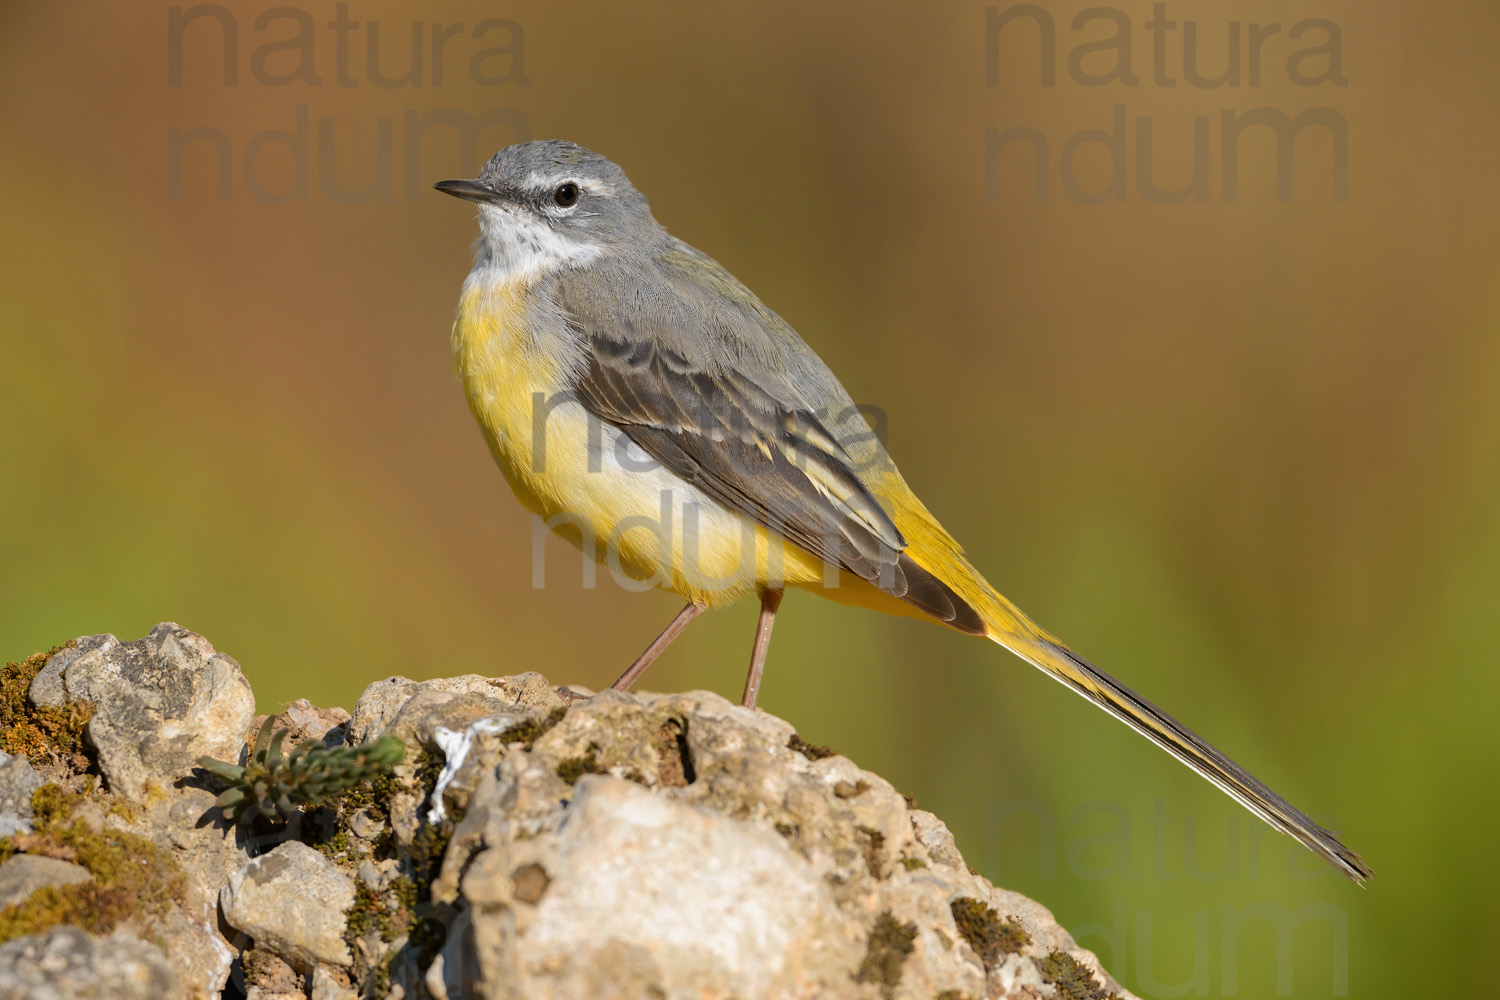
x: 536, y: 179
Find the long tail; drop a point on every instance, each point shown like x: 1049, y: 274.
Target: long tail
x: 946, y: 587
x: 1124, y: 704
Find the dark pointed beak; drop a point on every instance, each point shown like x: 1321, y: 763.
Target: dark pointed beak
x: 469, y: 191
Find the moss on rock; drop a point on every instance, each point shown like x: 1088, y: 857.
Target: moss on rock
x: 890, y: 944
x: 573, y: 768
x: 1074, y: 981
x: 40, y: 733
x: 134, y: 879
x: 987, y: 934
x: 811, y: 751
x: 531, y: 730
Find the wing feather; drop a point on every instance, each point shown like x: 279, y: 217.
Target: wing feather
x: 733, y: 426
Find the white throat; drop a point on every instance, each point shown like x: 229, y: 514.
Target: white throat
x: 513, y: 244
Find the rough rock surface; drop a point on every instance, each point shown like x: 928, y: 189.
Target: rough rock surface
x: 531, y: 845
x: 18, y: 783
x: 67, y: 964
x: 24, y: 874
x: 677, y: 846
x: 159, y: 703
x: 469, y: 695
x: 267, y: 900
x: 307, y: 721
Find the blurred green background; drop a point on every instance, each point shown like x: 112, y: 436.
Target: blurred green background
x: 1241, y: 453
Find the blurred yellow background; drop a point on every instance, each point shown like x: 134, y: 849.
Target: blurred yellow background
x: 1241, y: 453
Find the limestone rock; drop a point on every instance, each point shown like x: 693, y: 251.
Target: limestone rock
x: 384, y: 700
x: 294, y: 903
x: 67, y: 964
x: 310, y: 722
x: 326, y: 987
x: 24, y: 874
x: 676, y: 846
x: 18, y: 781
x: 267, y: 977
x: 159, y: 703
x: 261, y: 993
x: 414, y: 711
x: 704, y: 903
x: 613, y: 846
x: 198, y: 951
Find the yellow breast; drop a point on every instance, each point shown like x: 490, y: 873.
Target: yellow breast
x: 502, y: 370
x: 591, y: 484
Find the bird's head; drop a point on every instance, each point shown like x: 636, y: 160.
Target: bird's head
x: 548, y: 203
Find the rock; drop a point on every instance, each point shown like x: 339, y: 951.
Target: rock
x: 413, y: 710
x: 294, y: 903
x: 201, y: 954
x: 265, y: 993
x: 302, y: 721
x: 267, y: 977
x: 705, y: 903
x: 676, y: 846
x: 326, y: 986
x: 159, y: 703
x: 67, y: 964
x: 18, y: 782
x: 384, y: 700
x: 24, y: 874
x: 310, y: 722
x: 198, y: 951
x: 614, y: 846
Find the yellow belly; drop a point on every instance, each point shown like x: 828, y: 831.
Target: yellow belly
x: 595, y: 487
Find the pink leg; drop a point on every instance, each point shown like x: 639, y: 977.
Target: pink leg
x: 770, y: 600
x: 660, y: 643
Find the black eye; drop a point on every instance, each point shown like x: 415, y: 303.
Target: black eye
x: 566, y: 194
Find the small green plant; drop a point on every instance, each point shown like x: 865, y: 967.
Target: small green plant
x: 275, y: 784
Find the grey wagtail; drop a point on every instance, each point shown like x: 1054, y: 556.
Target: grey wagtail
x: 650, y: 409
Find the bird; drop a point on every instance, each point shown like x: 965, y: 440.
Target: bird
x: 648, y: 407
